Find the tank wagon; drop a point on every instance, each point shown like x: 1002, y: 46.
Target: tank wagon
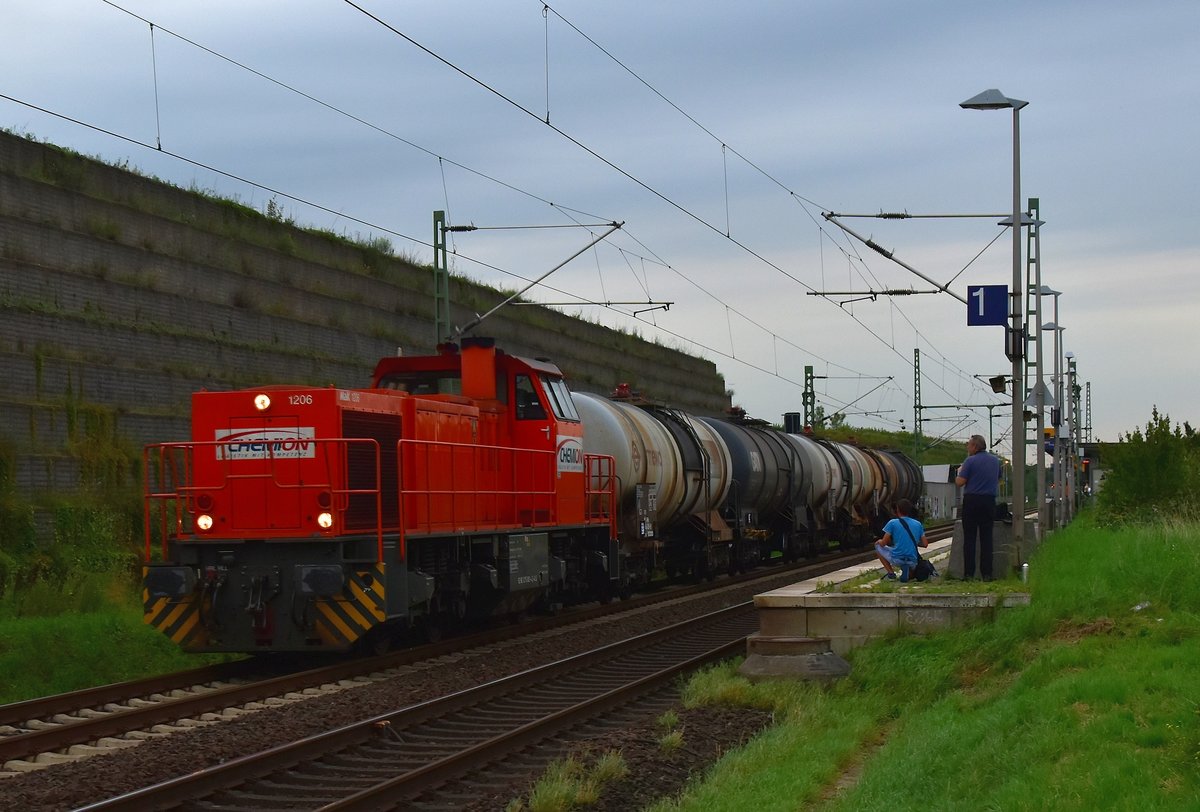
x: 469, y: 483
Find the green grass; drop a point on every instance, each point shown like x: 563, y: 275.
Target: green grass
x: 59, y: 635
x: 40, y: 656
x: 1079, y: 701
x: 570, y: 784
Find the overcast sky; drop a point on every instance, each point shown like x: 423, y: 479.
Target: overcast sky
x: 718, y: 132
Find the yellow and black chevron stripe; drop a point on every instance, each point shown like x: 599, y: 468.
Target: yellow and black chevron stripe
x: 361, y: 606
x: 178, y: 620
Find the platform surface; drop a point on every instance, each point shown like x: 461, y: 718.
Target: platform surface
x: 937, y: 553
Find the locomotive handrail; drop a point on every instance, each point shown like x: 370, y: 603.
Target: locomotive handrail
x: 460, y: 500
x: 600, y: 469
x: 174, y: 464
x: 454, y: 497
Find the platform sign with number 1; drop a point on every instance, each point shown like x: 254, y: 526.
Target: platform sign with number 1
x: 987, y: 304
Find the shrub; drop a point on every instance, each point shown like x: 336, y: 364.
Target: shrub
x: 1152, y: 474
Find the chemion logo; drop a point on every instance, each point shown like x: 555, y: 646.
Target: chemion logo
x: 570, y: 455
x: 260, y: 444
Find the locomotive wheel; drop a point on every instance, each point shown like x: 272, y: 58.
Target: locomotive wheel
x: 380, y: 641
x: 431, y: 629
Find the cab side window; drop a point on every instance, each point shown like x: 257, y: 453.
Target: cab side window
x: 560, y: 399
x: 527, y: 404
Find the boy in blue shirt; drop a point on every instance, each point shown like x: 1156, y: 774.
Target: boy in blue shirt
x: 898, y: 547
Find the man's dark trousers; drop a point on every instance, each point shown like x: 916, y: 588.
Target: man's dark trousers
x: 979, y: 511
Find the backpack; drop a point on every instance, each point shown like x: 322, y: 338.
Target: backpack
x: 922, y: 570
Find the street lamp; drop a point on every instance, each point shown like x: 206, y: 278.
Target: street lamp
x: 995, y: 100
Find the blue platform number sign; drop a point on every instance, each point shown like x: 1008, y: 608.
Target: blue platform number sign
x: 987, y: 304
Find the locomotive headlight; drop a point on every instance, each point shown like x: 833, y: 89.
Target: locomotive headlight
x: 262, y: 402
x: 325, y: 520
x: 204, y: 522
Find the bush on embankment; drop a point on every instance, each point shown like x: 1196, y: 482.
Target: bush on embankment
x: 1152, y: 474
x: 70, y: 613
x: 1086, y: 699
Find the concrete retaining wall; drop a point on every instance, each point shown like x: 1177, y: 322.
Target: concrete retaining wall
x: 849, y: 620
x: 121, y: 295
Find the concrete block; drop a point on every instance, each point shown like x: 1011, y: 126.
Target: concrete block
x: 924, y: 619
x: 849, y: 620
x: 792, y: 658
x: 838, y: 622
x: 783, y: 622
x: 1006, y: 558
x: 758, y: 643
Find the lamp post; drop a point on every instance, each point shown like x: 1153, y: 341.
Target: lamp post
x: 1039, y: 391
x: 1056, y: 412
x: 995, y: 100
x: 1059, y: 440
x: 1072, y: 458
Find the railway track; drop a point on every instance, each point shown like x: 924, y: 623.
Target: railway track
x: 403, y: 758
x: 76, y: 726
x: 64, y: 728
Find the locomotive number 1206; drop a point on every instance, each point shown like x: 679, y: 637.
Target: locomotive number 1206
x: 300, y: 400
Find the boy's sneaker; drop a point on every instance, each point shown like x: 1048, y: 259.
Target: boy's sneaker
x: 888, y: 576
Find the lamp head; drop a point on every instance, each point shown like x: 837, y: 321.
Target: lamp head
x: 998, y: 383
x: 992, y: 100
x: 1026, y: 220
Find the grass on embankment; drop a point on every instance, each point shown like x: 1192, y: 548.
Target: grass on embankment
x: 68, y: 636
x: 1080, y: 701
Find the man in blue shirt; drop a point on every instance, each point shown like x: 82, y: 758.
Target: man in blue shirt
x: 979, y: 477
x: 898, y: 547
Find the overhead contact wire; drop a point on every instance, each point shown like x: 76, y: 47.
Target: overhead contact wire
x: 800, y: 199
x: 442, y: 160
